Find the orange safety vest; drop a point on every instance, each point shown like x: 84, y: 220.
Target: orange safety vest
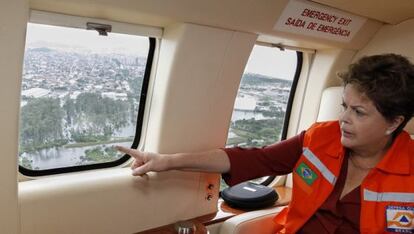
x: 387, y: 192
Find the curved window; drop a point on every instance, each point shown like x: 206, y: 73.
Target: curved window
x: 82, y: 93
x: 262, y: 106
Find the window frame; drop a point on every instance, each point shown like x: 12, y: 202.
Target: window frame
x: 152, y: 33
x: 286, y: 120
x: 295, y: 81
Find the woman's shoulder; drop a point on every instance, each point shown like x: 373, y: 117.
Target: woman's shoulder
x: 324, y: 134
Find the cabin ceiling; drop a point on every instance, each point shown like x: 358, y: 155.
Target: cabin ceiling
x: 258, y: 17
x: 387, y: 11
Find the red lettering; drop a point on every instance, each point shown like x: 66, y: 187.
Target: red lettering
x: 305, y: 12
x: 295, y: 22
x: 312, y: 25
x: 345, y: 22
x: 333, y: 30
x: 319, y: 15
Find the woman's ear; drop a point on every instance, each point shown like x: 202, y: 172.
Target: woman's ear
x: 394, y: 124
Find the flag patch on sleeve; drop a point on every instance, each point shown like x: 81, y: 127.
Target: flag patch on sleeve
x: 306, y: 173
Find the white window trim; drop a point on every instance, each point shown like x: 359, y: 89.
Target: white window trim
x: 43, y: 17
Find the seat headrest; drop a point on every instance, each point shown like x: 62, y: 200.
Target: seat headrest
x: 330, y: 106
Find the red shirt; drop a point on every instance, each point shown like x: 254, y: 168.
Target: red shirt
x: 334, y: 216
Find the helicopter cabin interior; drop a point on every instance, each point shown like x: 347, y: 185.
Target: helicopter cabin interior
x: 78, y: 77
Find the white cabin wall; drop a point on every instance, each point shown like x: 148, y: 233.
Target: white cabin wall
x: 13, y: 17
x: 111, y: 201
x: 197, y: 80
x: 392, y: 39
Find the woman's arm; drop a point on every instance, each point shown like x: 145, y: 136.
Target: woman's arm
x: 207, y: 161
x: 276, y: 159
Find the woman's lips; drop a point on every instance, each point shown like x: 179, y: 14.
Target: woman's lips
x: 346, y: 134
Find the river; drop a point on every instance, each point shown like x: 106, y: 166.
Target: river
x: 240, y: 114
x: 58, y: 157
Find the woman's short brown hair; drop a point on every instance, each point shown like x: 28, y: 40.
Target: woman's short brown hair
x: 388, y: 81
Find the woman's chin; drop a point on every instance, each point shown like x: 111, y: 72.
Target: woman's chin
x: 346, y: 142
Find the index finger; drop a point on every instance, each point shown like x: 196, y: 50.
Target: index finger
x: 129, y: 151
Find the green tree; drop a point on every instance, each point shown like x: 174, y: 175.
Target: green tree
x: 69, y: 108
x: 41, y: 124
x: 253, y: 132
x: 100, y: 154
x: 26, y: 163
x: 97, y: 117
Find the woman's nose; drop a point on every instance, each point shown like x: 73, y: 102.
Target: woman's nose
x: 344, y: 116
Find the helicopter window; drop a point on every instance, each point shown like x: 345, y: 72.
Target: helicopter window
x: 262, y: 102
x: 83, y: 90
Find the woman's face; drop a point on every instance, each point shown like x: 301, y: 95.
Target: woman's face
x: 362, y: 126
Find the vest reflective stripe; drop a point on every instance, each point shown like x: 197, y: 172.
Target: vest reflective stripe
x: 329, y: 176
x: 388, y: 196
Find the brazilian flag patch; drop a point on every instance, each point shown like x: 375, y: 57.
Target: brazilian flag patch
x: 306, y: 173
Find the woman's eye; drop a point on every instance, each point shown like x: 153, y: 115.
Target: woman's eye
x: 359, y: 113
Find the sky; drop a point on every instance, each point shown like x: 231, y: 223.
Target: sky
x: 64, y: 37
x: 263, y: 60
x: 272, y: 62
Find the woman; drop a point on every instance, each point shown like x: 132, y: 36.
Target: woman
x: 349, y: 176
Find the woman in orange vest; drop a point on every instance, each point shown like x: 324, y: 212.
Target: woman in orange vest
x: 355, y: 175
